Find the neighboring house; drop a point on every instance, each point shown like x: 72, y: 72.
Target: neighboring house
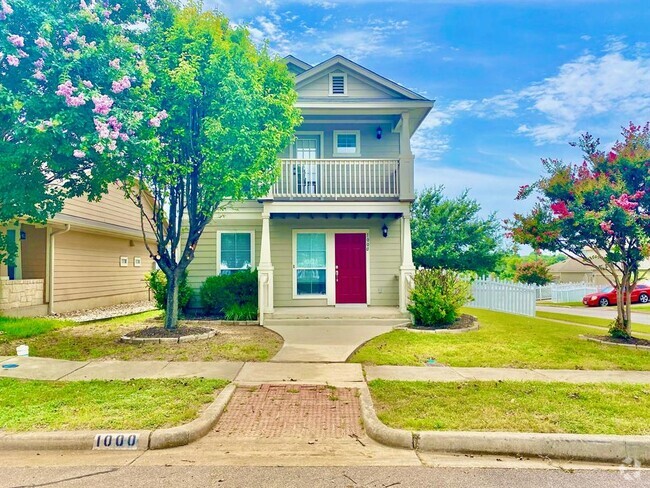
x: 335, y: 229
x: 92, y: 254
x: 571, y: 271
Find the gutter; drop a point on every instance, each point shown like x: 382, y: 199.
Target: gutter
x: 50, y: 286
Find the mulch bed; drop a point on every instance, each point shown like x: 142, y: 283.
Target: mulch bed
x: 618, y: 340
x: 463, y: 322
x: 161, y: 332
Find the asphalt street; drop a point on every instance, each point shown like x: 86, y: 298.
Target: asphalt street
x: 317, y: 477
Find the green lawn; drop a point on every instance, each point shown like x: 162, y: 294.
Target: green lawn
x: 504, y: 340
x: 22, y: 328
x: 598, y: 322
x: 101, y: 340
x: 514, y: 406
x: 565, y: 304
x: 77, y: 405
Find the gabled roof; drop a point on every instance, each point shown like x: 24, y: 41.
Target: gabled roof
x: 299, y: 64
x: 321, y: 68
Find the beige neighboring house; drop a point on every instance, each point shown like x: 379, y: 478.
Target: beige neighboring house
x: 571, y: 271
x: 92, y: 254
x: 335, y: 229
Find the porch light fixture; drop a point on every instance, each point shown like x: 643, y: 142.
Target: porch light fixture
x: 379, y: 131
x: 384, y: 230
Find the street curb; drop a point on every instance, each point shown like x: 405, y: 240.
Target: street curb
x: 600, y: 448
x: 157, y: 439
x: 185, y: 434
x: 82, y: 440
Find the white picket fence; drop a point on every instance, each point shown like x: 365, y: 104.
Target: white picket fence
x: 504, y: 296
x: 571, y: 292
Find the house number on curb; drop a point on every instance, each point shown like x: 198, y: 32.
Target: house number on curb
x: 116, y: 441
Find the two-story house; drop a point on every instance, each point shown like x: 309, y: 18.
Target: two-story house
x: 335, y: 229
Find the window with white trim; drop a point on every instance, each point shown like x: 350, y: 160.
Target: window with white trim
x: 338, y: 84
x: 235, y: 251
x: 347, y: 143
x: 311, y: 263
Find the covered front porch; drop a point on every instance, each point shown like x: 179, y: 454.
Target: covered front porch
x: 348, y: 261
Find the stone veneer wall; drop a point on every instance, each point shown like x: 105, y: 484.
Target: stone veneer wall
x: 21, y: 293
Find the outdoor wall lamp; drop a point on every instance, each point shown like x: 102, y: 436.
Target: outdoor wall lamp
x: 384, y: 230
x: 379, y: 131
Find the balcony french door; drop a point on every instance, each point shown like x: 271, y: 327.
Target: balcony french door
x: 306, y: 178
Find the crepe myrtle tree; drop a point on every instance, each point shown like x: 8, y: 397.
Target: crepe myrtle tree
x: 74, y: 101
x: 596, y: 212
x: 227, y: 110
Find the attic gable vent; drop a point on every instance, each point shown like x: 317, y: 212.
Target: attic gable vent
x: 338, y: 84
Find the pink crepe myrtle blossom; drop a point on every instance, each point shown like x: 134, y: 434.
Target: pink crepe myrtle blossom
x: 560, y: 210
x: 6, y: 9
x: 78, y: 153
x: 120, y: 85
x: 162, y: 115
x: 154, y: 122
x: 102, y: 129
x: 39, y: 63
x: 42, y: 43
x: 16, y: 40
x: 611, y: 157
x: 22, y: 54
x: 77, y: 101
x: 72, y: 36
x: 99, y: 147
x: 112, y: 146
x: 65, y: 89
x: 115, y: 63
x: 38, y: 75
x: 117, y: 7
x: 137, y: 116
x: 12, y: 60
x: 86, y: 83
x: 124, y: 137
x: 103, y: 104
x: 624, y: 202
x: 607, y: 227
x: 637, y: 195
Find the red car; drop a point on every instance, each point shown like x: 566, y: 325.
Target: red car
x: 607, y: 296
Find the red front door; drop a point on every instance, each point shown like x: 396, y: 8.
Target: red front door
x: 350, y: 250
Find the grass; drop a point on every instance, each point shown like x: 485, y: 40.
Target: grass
x: 100, y: 340
x: 514, y: 406
x: 638, y: 307
x: 22, y: 328
x: 77, y: 405
x: 503, y: 341
x: 565, y: 304
x: 594, y: 321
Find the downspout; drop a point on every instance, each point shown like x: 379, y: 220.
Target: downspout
x: 50, y: 287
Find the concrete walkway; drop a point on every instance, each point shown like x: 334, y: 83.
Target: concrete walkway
x: 296, y: 373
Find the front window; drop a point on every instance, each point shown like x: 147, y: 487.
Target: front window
x: 236, y: 252
x: 311, y: 260
x: 347, y: 143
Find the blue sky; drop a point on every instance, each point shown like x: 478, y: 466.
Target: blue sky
x: 513, y: 80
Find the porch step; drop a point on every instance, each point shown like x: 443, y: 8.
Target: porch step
x: 334, y: 321
x: 335, y: 313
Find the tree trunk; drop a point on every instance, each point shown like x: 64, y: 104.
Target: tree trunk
x: 171, y: 308
x: 622, y: 327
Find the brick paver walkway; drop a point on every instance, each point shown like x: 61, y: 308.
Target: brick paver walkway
x: 295, y: 411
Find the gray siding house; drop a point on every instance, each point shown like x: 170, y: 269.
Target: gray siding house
x: 335, y: 229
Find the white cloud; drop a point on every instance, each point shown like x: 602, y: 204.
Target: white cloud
x: 608, y: 90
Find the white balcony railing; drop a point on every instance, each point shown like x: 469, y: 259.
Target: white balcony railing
x: 338, y: 178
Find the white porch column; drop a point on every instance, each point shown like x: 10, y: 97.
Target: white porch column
x: 406, y: 159
x: 265, y: 270
x: 407, y: 269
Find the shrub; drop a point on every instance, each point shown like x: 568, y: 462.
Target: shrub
x: 247, y: 311
x: 533, y: 273
x: 220, y: 293
x: 157, y: 283
x: 437, y: 296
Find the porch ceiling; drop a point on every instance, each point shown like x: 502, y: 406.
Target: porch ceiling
x: 335, y: 215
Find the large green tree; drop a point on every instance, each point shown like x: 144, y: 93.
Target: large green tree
x: 227, y: 110
x: 73, y: 101
x: 596, y: 212
x: 449, y: 233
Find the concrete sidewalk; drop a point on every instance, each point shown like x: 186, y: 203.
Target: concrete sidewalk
x: 338, y: 374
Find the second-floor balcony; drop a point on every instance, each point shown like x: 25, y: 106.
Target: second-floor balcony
x: 338, y: 179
